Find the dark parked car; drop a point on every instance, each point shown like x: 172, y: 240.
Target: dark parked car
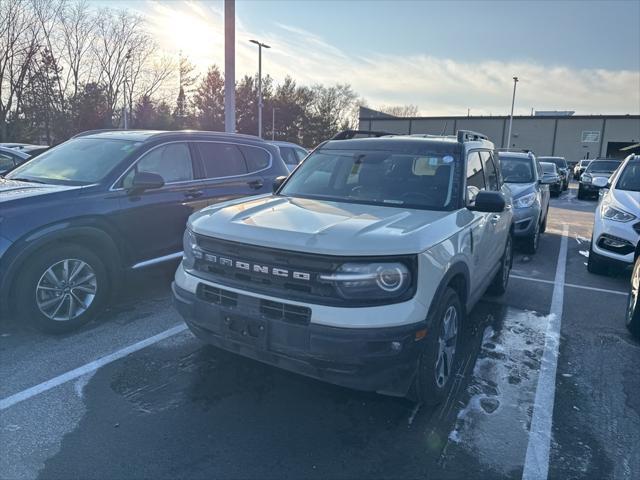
x: 77, y: 217
x: 10, y: 158
x: 563, y: 168
x: 522, y: 173
x: 551, y: 177
x: 597, y: 168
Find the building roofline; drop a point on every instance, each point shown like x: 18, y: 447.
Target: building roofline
x: 503, y: 117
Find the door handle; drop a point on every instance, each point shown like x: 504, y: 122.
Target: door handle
x: 495, y: 219
x: 256, y: 184
x: 193, y: 193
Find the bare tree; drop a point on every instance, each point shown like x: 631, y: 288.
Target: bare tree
x: 400, y: 110
x: 19, y: 44
x: 119, y: 39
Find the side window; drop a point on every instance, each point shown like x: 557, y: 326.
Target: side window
x: 6, y: 162
x: 256, y: 158
x: 289, y: 155
x: 172, y: 162
x: 302, y: 154
x: 475, y: 177
x: 490, y: 172
x: 221, y: 160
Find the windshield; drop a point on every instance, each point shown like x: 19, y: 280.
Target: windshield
x: 584, y: 163
x: 630, y: 177
x: 516, y: 169
x: 558, y: 161
x: 80, y: 161
x: 548, y: 167
x: 602, y: 166
x: 386, y: 178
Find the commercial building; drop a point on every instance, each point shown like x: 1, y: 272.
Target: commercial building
x: 563, y: 134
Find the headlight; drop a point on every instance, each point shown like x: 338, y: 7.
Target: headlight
x: 611, y: 213
x: 586, y: 178
x: 525, y: 201
x: 370, y: 280
x: 191, y: 250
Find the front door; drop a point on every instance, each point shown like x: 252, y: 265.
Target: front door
x: 153, y: 221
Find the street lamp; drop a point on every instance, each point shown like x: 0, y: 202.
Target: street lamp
x: 513, y: 101
x: 260, y: 45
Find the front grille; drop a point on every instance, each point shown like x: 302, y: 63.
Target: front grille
x: 218, y: 296
x: 286, y: 312
x: 636, y: 227
x: 282, y: 273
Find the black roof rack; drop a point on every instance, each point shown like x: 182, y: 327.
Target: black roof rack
x: 349, y: 134
x: 469, y: 136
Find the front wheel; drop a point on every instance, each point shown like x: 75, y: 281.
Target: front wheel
x: 62, y: 288
x: 633, y: 310
x: 501, y: 280
x: 439, y: 360
x: 596, y: 263
x: 530, y: 244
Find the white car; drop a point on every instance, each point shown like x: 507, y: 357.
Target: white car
x: 616, y: 227
x: 361, y: 267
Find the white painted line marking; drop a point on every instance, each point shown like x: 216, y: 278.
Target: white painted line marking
x: 87, y: 368
x: 572, y: 285
x: 536, y: 463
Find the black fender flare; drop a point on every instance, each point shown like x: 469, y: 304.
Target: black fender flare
x: 457, y: 270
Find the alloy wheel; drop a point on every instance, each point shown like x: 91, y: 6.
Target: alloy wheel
x: 447, y: 341
x: 633, y: 294
x: 66, y: 290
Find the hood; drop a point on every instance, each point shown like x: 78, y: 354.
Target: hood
x: 330, y: 228
x: 629, y: 201
x: 518, y: 189
x: 14, y: 190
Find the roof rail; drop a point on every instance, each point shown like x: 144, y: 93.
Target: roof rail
x: 469, y: 136
x: 98, y: 130
x: 349, y: 134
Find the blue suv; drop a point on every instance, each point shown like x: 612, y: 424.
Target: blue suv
x: 76, y: 218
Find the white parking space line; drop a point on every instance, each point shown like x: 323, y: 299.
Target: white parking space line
x: 88, y: 367
x: 536, y: 464
x: 572, y: 285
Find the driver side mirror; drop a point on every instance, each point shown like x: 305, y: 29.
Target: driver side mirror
x: 145, y: 181
x: 277, y: 183
x: 486, y: 201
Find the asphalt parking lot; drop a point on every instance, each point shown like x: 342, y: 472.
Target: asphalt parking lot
x: 548, y: 387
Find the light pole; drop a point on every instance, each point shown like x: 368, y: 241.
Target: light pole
x: 260, y: 45
x: 513, y: 102
x: 229, y: 66
x: 273, y: 124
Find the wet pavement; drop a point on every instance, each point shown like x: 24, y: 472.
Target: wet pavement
x: 180, y: 409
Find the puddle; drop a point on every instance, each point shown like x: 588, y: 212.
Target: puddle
x: 494, y: 422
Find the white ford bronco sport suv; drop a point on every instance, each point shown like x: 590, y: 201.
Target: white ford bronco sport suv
x: 361, y: 267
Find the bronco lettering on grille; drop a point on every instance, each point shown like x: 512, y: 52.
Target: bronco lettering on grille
x: 257, y: 268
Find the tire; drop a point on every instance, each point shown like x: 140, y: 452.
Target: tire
x: 530, y: 244
x: 596, y: 263
x: 580, y: 193
x: 437, y: 366
x: 633, y: 309
x: 543, y: 225
x: 70, y: 272
x: 501, y: 280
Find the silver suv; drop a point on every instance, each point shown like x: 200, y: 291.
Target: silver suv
x: 362, y: 265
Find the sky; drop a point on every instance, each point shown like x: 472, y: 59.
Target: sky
x: 444, y: 57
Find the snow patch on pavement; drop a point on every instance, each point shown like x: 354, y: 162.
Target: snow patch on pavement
x: 501, y: 392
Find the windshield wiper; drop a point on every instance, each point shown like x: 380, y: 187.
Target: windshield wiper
x: 29, y: 180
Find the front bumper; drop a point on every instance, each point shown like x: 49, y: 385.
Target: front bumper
x: 525, y: 220
x: 623, y: 232
x: 383, y: 360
